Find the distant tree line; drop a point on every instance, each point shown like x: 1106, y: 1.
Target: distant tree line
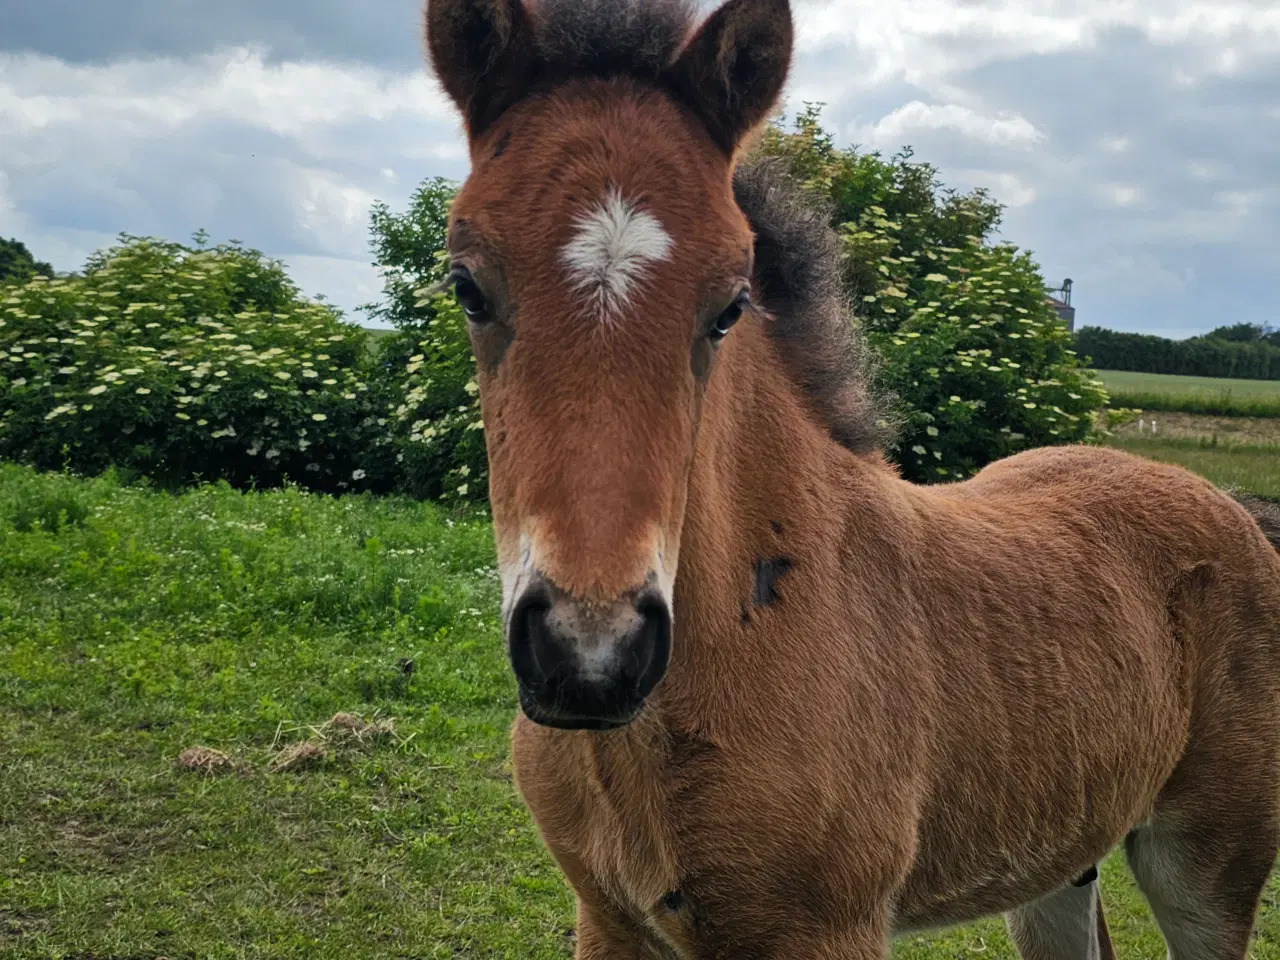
x: 1240, y: 351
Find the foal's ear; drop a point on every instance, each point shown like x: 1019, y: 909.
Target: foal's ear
x: 733, y: 69
x: 483, y: 53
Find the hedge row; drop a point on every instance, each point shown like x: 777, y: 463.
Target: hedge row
x: 185, y: 362
x: 1195, y: 357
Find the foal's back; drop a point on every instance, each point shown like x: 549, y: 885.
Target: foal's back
x: 1105, y: 633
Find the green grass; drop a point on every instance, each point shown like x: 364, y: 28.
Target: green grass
x: 135, y: 624
x: 1207, y: 395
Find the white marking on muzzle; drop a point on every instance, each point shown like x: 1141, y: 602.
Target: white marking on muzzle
x: 515, y: 577
x: 612, y: 250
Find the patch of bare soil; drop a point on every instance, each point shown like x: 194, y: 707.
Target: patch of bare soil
x: 205, y: 760
x: 299, y: 756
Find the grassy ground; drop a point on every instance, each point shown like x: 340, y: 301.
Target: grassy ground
x: 1203, y: 395
x: 136, y: 625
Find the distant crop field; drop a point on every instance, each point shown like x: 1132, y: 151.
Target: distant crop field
x: 1207, y: 395
x: 1167, y: 383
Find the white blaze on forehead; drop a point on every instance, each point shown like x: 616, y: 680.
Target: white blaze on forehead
x: 612, y: 250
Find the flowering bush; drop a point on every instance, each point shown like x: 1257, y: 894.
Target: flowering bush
x: 439, y: 433
x: 979, y: 363
x: 435, y: 419
x: 185, y: 362
x: 985, y: 366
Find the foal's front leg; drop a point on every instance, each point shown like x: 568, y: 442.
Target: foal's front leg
x: 606, y: 935
x: 870, y: 943
x: 829, y: 938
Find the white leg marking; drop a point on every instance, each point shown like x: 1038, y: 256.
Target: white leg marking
x: 1061, y: 926
x: 1180, y: 891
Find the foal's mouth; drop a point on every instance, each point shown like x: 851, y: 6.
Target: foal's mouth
x: 560, y: 720
x: 560, y: 717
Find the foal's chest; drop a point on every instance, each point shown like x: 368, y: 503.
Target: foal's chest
x: 686, y: 853
x: 603, y: 806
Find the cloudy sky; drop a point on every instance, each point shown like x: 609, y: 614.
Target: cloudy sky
x: 1135, y: 143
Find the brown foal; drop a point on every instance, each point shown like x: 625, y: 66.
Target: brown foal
x: 775, y: 701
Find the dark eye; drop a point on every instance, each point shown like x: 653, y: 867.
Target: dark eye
x: 468, y: 293
x: 731, y: 315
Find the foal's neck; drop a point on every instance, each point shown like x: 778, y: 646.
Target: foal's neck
x: 771, y: 494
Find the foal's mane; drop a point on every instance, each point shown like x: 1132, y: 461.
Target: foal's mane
x: 798, y: 281
x: 797, y: 259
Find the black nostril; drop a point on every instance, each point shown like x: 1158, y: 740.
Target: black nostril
x: 652, y: 644
x: 541, y: 655
x: 528, y: 631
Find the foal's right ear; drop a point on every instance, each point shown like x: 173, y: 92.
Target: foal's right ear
x: 733, y: 70
x: 483, y: 53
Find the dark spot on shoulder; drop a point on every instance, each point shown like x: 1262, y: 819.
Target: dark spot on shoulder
x: 501, y: 148
x: 768, y: 573
x: 776, y: 527
x: 744, y: 614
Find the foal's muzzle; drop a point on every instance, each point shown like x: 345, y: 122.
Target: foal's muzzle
x: 582, y: 667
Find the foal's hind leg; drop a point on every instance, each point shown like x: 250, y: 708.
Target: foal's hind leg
x: 1066, y: 925
x: 1203, y: 881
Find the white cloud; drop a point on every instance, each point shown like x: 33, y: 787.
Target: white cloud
x: 1122, y: 194
x: 287, y: 157
x: 1005, y: 129
x: 237, y: 85
x: 923, y: 40
x: 1134, y: 142
x: 334, y: 211
x: 1008, y: 188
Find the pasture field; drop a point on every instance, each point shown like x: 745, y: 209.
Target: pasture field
x: 1251, y: 468
x: 1234, y: 452
x: 1203, y: 395
x: 136, y: 624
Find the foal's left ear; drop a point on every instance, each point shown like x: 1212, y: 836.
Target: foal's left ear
x: 733, y: 69
x: 483, y: 53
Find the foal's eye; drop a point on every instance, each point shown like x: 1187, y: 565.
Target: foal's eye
x: 731, y: 315
x: 468, y: 293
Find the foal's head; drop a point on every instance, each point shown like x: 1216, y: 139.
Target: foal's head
x: 601, y: 260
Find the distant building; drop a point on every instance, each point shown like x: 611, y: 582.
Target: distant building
x: 1060, y: 299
